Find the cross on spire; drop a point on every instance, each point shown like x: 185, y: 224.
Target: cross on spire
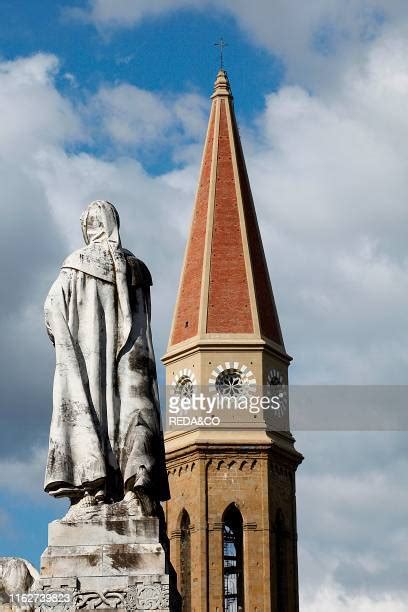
x: 221, y: 44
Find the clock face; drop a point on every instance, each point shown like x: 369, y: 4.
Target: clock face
x: 184, y: 382
x: 274, y: 377
x: 277, y: 387
x: 232, y: 379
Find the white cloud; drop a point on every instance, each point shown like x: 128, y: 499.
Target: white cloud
x: 316, y: 39
x: 351, y: 503
x: 191, y: 111
x: 132, y: 115
x: 33, y: 112
x: 330, y: 598
x: 125, y: 13
x: 136, y: 119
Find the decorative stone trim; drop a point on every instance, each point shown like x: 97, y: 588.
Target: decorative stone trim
x: 236, y: 377
x: 150, y: 594
x: 148, y: 597
x: 181, y: 469
x: 93, y: 600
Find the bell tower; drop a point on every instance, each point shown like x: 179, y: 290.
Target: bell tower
x: 231, y: 519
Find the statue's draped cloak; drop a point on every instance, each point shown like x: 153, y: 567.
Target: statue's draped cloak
x: 106, y: 418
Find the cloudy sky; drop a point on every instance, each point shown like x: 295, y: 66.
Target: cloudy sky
x: 109, y: 99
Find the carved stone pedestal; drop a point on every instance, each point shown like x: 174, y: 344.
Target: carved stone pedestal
x: 104, y: 563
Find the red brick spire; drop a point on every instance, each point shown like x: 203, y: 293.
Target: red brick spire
x: 225, y: 291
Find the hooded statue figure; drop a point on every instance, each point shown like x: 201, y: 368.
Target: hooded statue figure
x: 106, y: 439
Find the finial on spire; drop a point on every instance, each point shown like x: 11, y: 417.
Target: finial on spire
x: 221, y: 85
x: 221, y: 44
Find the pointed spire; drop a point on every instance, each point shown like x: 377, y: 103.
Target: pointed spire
x: 224, y: 287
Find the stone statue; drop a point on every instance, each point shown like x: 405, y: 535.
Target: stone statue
x: 106, y: 441
x: 16, y: 576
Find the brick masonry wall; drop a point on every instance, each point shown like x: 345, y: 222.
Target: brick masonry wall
x: 187, y: 313
x: 229, y: 309
x: 205, y: 483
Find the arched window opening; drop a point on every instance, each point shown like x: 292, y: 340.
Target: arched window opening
x: 233, y: 560
x: 281, y: 562
x: 185, y: 562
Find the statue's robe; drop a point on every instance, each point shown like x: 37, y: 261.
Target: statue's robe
x: 106, y: 422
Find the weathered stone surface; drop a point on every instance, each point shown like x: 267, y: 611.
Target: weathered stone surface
x: 121, y: 545
x: 116, y: 563
x: 103, y: 560
x: 105, y: 436
x: 65, y: 561
x: 16, y: 576
x: 143, y: 592
x: 119, y: 530
x: 132, y: 559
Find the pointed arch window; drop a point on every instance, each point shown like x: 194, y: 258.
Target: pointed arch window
x: 281, y: 562
x: 185, y: 562
x: 233, y: 560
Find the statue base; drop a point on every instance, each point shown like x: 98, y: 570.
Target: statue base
x: 104, y: 563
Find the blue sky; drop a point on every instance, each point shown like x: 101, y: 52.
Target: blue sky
x: 110, y: 99
x: 167, y: 54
